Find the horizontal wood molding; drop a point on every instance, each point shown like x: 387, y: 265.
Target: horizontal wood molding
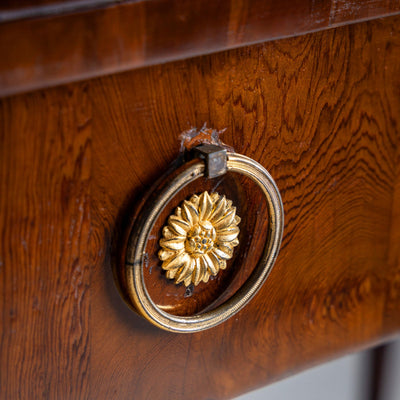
x: 52, y: 43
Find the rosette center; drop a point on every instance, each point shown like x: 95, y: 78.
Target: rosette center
x: 200, y: 239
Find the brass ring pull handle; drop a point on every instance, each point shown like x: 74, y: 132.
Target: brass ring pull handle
x: 216, y: 162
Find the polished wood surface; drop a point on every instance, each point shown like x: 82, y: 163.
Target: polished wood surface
x: 45, y: 262
x: 321, y: 112
x: 86, y: 38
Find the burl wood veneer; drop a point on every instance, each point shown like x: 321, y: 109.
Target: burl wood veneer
x: 321, y: 112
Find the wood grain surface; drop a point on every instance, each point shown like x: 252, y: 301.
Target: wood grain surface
x: 45, y: 267
x: 52, y: 42
x: 321, y: 112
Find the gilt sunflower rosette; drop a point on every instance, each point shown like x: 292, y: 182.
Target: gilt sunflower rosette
x: 199, y: 238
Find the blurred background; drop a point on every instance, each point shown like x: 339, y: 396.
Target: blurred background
x: 369, y: 375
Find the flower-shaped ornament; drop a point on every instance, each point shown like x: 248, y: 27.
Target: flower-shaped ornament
x: 199, y: 238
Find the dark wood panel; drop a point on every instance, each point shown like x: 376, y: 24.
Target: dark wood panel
x: 321, y: 112
x: 41, y: 52
x: 45, y: 267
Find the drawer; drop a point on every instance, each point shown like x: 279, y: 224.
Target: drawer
x: 320, y: 112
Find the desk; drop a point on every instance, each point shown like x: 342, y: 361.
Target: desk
x: 320, y: 111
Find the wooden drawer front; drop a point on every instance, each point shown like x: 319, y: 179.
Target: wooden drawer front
x: 321, y: 112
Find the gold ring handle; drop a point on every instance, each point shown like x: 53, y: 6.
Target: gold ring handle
x: 133, y: 277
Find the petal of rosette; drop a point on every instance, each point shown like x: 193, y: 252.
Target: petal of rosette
x: 198, y: 272
x: 228, y: 234
x: 213, y: 268
x: 226, y: 220
x: 205, y: 206
x: 215, y: 259
x: 186, y: 272
x: 195, y: 200
x: 180, y: 226
x: 188, y: 281
x: 219, y: 211
x: 223, y: 250
x: 171, y: 273
x: 234, y: 242
x: 176, y: 262
x: 172, y: 244
x: 190, y: 213
x: 166, y: 254
x: 170, y: 233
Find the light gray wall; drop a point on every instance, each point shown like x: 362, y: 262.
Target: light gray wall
x: 344, y: 379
